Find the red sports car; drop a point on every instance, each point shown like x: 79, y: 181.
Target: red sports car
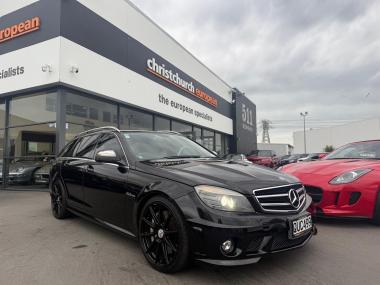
x: 346, y: 183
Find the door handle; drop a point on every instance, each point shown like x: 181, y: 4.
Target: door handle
x: 90, y: 169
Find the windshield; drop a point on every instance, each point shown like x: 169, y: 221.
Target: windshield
x: 365, y: 150
x: 154, y: 146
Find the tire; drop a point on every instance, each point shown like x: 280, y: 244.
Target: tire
x: 376, y: 214
x: 58, y: 198
x: 163, y: 235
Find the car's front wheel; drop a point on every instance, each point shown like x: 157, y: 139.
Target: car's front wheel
x: 58, y: 200
x: 163, y: 235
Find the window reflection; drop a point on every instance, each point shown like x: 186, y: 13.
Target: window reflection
x: 161, y: 124
x: 27, y: 110
x: 135, y: 120
x: 197, y: 135
x: 83, y: 110
x: 182, y: 128
x: 32, y: 149
x: 208, y: 139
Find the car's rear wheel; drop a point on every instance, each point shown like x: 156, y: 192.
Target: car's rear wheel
x: 163, y: 235
x: 59, y: 200
x: 376, y: 214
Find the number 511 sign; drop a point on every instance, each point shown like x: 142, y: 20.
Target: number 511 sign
x: 247, y: 115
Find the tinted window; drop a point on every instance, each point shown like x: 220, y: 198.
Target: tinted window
x: 86, y: 148
x: 109, y: 142
x: 68, y: 151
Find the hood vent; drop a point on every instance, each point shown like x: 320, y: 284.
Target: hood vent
x: 163, y: 163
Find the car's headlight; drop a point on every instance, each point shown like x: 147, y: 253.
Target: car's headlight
x: 279, y: 168
x: 223, y: 199
x: 349, y: 176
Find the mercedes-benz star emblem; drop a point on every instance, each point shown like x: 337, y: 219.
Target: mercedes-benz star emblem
x: 294, y: 198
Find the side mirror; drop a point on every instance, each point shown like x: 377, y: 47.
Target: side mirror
x: 107, y: 156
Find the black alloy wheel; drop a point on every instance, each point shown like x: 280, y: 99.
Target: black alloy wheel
x: 58, y: 200
x: 163, y: 235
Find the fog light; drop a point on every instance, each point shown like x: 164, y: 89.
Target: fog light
x: 228, y: 246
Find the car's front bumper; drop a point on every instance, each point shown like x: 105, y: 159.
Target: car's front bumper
x: 354, y: 200
x: 253, y: 235
x: 251, y: 243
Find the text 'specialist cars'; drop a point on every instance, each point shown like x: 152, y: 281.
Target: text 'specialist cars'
x: 180, y: 200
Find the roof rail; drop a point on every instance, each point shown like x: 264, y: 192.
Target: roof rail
x: 94, y: 130
x: 144, y: 131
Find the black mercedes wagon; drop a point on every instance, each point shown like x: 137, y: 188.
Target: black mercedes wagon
x: 179, y: 199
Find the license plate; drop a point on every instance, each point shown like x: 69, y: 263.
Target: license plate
x: 300, y: 226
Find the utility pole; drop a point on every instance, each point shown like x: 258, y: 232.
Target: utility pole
x: 303, y: 115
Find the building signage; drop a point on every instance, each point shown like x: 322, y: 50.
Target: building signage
x: 20, y: 29
x: 244, y: 124
x: 183, y: 108
x: 174, y: 78
x: 11, y: 71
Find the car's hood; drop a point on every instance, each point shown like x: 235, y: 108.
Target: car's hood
x: 24, y: 165
x: 240, y: 176
x: 330, y: 167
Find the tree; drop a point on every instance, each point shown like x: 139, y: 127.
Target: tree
x: 328, y: 148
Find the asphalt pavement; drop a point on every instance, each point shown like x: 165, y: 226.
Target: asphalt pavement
x: 36, y: 249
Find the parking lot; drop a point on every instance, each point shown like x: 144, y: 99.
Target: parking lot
x: 37, y: 249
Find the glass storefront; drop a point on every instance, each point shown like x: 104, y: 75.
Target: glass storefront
x: 161, y: 124
x: 30, y: 139
x: 197, y: 135
x: 208, y: 139
x: 182, y: 128
x: 131, y: 119
x: 82, y: 110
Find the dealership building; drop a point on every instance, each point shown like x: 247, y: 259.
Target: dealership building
x: 67, y: 66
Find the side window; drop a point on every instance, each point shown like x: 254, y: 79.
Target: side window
x: 110, y: 142
x: 68, y: 150
x: 86, y: 148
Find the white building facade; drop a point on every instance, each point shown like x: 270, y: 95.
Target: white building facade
x: 317, y: 139
x: 71, y: 65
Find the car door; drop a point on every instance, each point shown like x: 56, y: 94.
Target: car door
x: 105, y: 185
x: 73, y: 168
x: 71, y: 173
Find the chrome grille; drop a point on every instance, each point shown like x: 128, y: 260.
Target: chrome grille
x: 281, y: 198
